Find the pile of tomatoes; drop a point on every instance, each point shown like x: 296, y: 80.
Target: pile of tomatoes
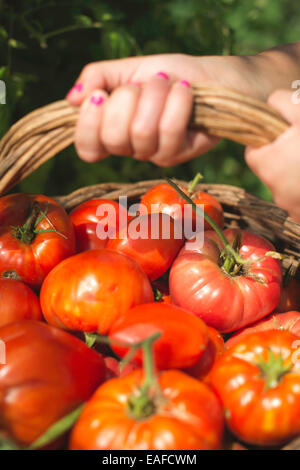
x: 125, y: 342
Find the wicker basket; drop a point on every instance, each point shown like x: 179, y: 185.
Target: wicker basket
x: 224, y: 113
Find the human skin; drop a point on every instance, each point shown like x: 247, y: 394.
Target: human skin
x: 278, y: 164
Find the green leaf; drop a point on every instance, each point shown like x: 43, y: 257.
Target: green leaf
x: 58, y: 429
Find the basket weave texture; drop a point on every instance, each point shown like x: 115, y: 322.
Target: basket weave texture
x: 46, y: 131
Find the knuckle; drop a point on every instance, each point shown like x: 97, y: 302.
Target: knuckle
x: 88, y: 70
x: 89, y: 155
x: 162, y: 161
x: 115, y: 144
x: 142, y: 133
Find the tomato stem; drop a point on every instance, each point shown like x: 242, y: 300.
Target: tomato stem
x: 149, y: 368
x: 142, y: 403
x: 27, y: 232
x: 194, y: 183
x: 273, y: 369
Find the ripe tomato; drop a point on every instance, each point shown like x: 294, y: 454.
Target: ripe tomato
x: 214, y: 349
x: 28, y: 244
x: 47, y: 374
x: 258, y: 382
x: 226, y: 300
x: 86, y: 221
x: 156, y: 246
x: 89, y: 291
x: 276, y: 321
x: 18, y: 302
x: 164, y: 198
x: 290, y: 297
x: 177, y: 326
x: 187, y: 415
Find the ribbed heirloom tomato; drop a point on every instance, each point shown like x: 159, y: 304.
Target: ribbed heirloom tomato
x: 89, y: 291
x: 35, y: 235
x: 18, y: 302
x: 258, y: 382
x: 152, y: 240
x: 183, y: 336
x: 289, y: 321
x: 227, y: 294
x: 90, y: 216
x: 47, y: 374
x: 184, y: 414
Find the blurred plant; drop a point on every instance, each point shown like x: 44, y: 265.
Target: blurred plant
x: 44, y: 45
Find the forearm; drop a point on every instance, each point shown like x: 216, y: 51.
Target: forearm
x: 256, y: 75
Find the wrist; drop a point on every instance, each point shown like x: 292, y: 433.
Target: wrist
x: 254, y: 75
x: 240, y: 73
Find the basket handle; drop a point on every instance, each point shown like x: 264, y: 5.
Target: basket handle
x: 220, y: 112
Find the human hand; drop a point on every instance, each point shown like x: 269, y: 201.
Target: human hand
x: 146, y: 114
x: 278, y: 164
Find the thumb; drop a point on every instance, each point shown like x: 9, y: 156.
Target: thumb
x: 287, y: 102
x: 105, y: 75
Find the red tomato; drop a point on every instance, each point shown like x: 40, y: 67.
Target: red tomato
x: 188, y: 416
x: 226, y: 301
x: 276, y: 321
x: 47, y: 374
x: 31, y: 247
x: 18, y: 302
x: 92, y: 231
x: 89, y: 291
x: 290, y: 297
x: 258, y: 382
x: 183, y: 340
x: 214, y: 349
x: 164, y: 198
x: 156, y: 247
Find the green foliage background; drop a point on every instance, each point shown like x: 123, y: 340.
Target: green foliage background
x: 44, y: 45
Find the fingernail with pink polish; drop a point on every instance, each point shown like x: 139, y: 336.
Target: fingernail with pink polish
x: 96, y: 100
x: 163, y: 75
x: 185, y: 83
x: 78, y: 87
